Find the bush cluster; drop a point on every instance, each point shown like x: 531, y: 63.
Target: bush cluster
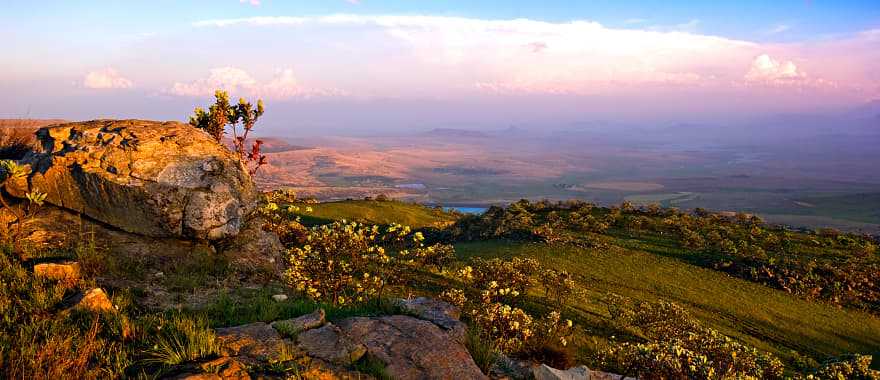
x: 674, y: 345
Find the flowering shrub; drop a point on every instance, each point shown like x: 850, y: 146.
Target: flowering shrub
x: 498, y: 282
x: 347, y: 262
x: 437, y: 255
x: 849, y: 367
x: 679, y: 347
x: 281, y: 213
x: 558, y: 285
x: 501, y: 279
x: 509, y: 327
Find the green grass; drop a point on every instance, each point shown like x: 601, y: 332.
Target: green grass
x: 376, y: 212
x: 652, y: 267
x: 247, y: 306
x: 757, y: 315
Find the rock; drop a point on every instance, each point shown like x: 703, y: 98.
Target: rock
x: 224, y: 368
x: 66, y: 271
x: 545, y: 372
x: 227, y: 369
x: 255, y: 340
x: 255, y: 250
x: 440, y: 313
x: 412, y: 348
x: 94, y: 300
x: 158, y: 179
x: 280, y: 297
x: 330, y: 344
x: 309, y: 321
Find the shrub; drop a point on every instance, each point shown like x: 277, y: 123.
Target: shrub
x: 679, y: 347
x: 222, y: 113
x: 558, y: 286
x: 856, y: 367
x: 344, y: 262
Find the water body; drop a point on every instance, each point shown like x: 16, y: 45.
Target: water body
x: 468, y: 210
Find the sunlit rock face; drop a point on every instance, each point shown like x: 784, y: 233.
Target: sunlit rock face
x: 158, y: 179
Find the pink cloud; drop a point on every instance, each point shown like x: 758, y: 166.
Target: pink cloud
x: 107, y: 78
x: 284, y: 85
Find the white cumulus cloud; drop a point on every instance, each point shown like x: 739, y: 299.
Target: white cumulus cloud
x: 283, y: 85
x: 107, y: 78
x: 767, y: 70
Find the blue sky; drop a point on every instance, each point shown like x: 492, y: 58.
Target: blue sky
x: 159, y: 58
x: 746, y: 19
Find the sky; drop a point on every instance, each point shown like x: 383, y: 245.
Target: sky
x: 367, y: 65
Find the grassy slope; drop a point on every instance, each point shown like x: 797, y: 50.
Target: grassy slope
x: 760, y: 316
x: 648, y: 269
x: 376, y: 212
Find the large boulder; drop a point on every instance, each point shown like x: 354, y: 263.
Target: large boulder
x: 158, y: 179
x: 412, y: 348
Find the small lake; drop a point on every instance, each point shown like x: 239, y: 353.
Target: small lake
x: 468, y: 210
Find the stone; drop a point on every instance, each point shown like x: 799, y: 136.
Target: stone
x: 545, y: 372
x: 330, y: 344
x: 438, y: 312
x: 257, y: 341
x: 412, y: 348
x: 227, y: 369
x: 279, y: 297
x: 94, y: 300
x: 157, y: 179
x: 255, y: 250
x: 64, y: 271
x: 302, y: 323
x: 223, y: 368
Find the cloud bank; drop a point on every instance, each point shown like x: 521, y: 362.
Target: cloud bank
x: 522, y: 56
x: 283, y: 85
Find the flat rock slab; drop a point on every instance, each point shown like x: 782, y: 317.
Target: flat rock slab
x: 159, y: 179
x: 302, y: 323
x: 545, y: 372
x: 438, y: 312
x: 255, y: 340
x: 412, y: 348
x: 224, y: 368
x: 330, y: 344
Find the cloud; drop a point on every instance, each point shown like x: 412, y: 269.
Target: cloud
x: 635, y: 21
x: 283, y: 85
x: 107, y: 78
x: 767, y: 70
x: 222, y: 78
x: 255, y: 3
x: 776, y: 29
x: 402, y: 55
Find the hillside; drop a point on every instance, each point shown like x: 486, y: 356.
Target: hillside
x: 128, y: 257
x: 646, y: 267
x: 377, y: 212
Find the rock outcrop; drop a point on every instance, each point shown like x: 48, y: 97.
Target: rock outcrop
x: 412, y: 348
x: 156, y: 179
